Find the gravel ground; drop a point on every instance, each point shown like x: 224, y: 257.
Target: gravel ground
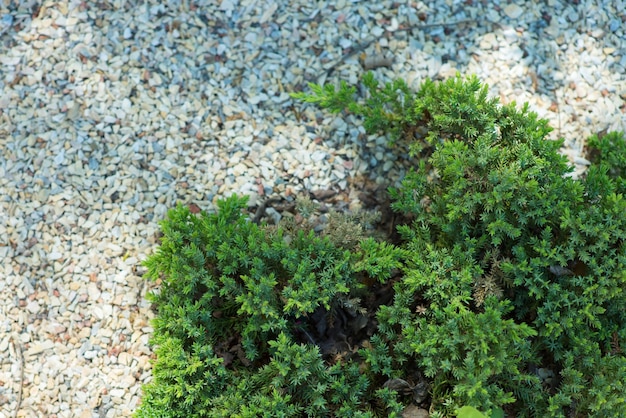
x: 113, y: 111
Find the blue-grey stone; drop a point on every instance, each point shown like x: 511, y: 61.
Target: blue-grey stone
x: 93, y: 163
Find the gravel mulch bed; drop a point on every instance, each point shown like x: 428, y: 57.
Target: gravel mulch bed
x: 113, y: 111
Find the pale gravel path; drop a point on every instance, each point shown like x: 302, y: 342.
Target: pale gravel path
x: 113, y: 111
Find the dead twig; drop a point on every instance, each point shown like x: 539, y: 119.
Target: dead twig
x: 260, y: 212
x: 20, y: 356
x: 556, y: 93
x: 364, y: 45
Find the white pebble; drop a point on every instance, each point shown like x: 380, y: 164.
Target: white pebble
x: 513, y: 11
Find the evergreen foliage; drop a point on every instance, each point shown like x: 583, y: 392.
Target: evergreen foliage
x: 231, y: 303
x: 519, y: 239
x: 509, y: 284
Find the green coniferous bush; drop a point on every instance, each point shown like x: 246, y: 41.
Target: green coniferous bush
x: 508, y: 286
x: 515, y: 267
x: 233, y: 326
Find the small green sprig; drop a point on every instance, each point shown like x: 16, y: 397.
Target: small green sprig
x: 386, y: 109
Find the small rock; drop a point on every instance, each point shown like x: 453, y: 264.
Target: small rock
x: 513, y: 11
x: 118, y: 393
x: 6, y: 21
x: 4, y: 344
x: 38, y: 348
x: 254, y: 100
x: 93, y: 291
x: 488, y: 41
x: 90, y: 355
x: 124, y: 358
x: 318, y: 156
x: 33, y: 307
x: 377, y: 31
x: 413, y: 411
x: 345, y: 43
